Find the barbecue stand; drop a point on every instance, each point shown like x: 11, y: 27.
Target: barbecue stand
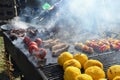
x: 50, y: 71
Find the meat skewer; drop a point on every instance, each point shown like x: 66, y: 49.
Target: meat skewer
x: 85, y: 48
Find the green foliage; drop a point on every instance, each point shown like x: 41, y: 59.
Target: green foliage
x: 1, y: 43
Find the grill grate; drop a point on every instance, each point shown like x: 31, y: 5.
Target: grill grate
x: 108, y: 59
x: 53, y: 72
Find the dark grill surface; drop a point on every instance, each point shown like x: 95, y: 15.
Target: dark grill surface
x: 53, y: 72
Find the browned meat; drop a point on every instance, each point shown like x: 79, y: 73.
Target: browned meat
x: 85, y: 48
x: 47, y: 41
x: 59, y: 50
x: 17, y: 32
x: 58, y: 46
x: 50, y: 43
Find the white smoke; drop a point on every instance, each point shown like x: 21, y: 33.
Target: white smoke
x: 76, y: 16
x: 94, y: 14
x: 17, y: 23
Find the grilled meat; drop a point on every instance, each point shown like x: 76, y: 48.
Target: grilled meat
x: 59, y: 50
x: 50, y: 43
x: 58, y: 46
x: 17, y: 32
x: 85, y: 48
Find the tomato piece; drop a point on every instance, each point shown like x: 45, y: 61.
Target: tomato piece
x: 26, y: 40
x: 102, y: 48
x: 32, y: 43
x: 38, y: 41
x: 42, y: 53
x: 33, y: 48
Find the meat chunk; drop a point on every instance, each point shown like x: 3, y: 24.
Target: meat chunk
x: 50, y: 43
x: 85, y: 48
x: 58, y: 46
x: 58, y: 49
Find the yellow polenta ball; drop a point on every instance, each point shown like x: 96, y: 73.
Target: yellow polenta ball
x: 102, y: 79
x: 83, y: 77
x: 116, y: 78
x: 71, y: 62
x: 64, y: 57
x: 82, y: 58
x: 113, y: 71
x: 95, y: 72
x: 71, y: 72
x: 91, y: 62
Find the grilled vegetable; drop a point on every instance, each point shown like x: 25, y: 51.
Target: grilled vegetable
x: 71, y: 62
x: 83, y: 77
x: 32, y: 43
x: 82, y: 58
x: 92, y: 62
x: 113, y: 71
x: 64, y: 57
x: 95, y: 72
x: 41, y: 53
x: 38, y: 41
x: 71, y: 72
x: 33, y: 49
x: 26, y: 40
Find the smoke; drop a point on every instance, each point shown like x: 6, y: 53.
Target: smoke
x: 75, y: 17
x: 17, y: 23
x: 95, y: 14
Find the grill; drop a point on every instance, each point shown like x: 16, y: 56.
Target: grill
x: 51, y: 70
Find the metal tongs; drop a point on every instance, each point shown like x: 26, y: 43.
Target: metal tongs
x: 46, y: 8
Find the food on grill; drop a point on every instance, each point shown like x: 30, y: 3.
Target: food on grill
x: 82, y: 58
x: 59, y: 48
x: 32, y: 31
x: 85, y: 48
x: 38, y: 41
x: 47, y: 41
x: 17, y: 32
x: 104, y: 48
x: 33, y: 49
x: 102, y: 79
x: 71, y: 62
x: 99, y: 46
x: 71, y: 72
x: 115, y: 46
x: 50, y: 43
x: 26, y: 40
x: 95, y: 72
x: 91, y: 62
x: 83, y: 77
x: 113, y: 71
x: 32, y: 43
x: 64, y: 57
x: 116, y: 78
x: 104, y: 45
x: 41, y: 54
